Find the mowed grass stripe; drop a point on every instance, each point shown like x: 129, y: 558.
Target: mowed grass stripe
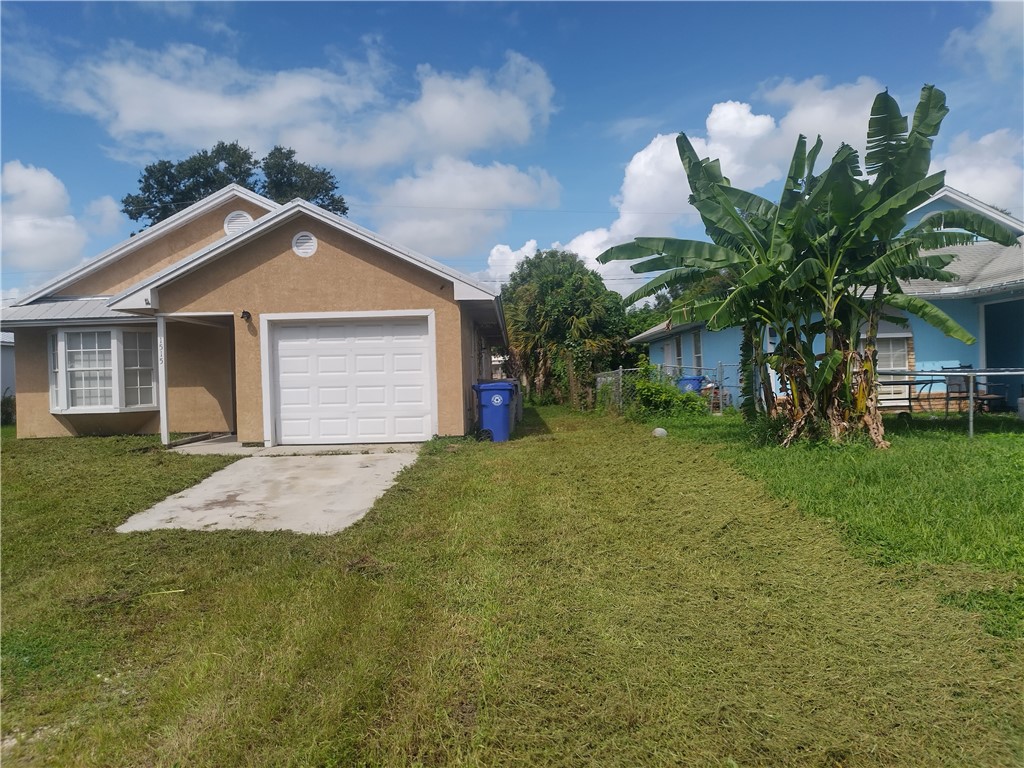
x: 653, y: 606
x: 583, y: 595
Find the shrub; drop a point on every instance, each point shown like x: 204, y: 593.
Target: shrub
x: 7, y: 410
x: 654, y: 395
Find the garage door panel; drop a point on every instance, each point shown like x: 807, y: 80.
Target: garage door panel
x: 367, y: 333
x: 332, y: 364
x: 410, y: 395
x: 296, y: 429
x: 330, y: 332
x: 371, y: 428
x: 294, y: 334
x: 331, y: 396
x: 408, y: 362
x: 292, y: 363
x: 353, y: 381
x: 371, y: 395
x: 410, y: 427
x: 334, y: 430
x: 295, y: 396
x: 370, y: 364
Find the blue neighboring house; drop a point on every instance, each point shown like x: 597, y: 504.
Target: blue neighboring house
x: 987, y: 300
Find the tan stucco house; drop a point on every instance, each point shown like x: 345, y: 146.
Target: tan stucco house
x: 284, y: 324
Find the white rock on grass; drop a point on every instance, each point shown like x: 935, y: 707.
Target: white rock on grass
x: 659, y: 432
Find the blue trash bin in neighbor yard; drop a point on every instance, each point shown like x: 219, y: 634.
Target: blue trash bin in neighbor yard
x: 495, y: 402
x: 691, y: 383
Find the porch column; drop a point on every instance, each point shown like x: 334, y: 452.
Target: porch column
x: 161, y: 362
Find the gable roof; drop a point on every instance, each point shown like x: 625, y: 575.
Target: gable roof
x: 144, y: 294
x: 957, y: 199
x: 132, y: 244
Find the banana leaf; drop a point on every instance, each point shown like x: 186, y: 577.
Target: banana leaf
x: 931, y: 314
x: 971, y: 221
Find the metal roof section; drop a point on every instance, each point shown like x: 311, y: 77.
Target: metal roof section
x: 57, y: 311
x: 143, y: 295
x: 154, y: 232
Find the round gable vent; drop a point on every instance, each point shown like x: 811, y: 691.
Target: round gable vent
x: 236, y: 221
x: 304, y: 244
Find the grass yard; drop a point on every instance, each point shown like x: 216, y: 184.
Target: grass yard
x: 585, y: 594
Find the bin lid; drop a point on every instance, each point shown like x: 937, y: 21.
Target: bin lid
x: 491, y: 386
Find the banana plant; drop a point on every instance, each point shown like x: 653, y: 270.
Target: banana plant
x: 822, y: 267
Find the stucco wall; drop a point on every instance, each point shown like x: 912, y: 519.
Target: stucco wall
x: 345, y: 274
x: 159, y: 254
x: 33, y: 401
x: 199, y: 396
x: 470, y: 369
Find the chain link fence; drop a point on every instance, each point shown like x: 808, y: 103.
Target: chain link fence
x: 720, y: 385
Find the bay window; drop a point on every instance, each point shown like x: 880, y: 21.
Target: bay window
x: 99, y: 370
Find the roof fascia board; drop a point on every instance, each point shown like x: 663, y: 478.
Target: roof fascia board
x: 125, y: 247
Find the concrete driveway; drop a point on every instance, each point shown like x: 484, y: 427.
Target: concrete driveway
x: 307, y: 494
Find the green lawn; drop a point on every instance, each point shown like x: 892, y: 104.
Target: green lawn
x: 585, y: 594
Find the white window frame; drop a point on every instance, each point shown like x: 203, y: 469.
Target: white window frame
x: 59, y: 385
x: 698, y: 353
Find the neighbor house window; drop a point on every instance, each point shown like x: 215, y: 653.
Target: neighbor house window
x: 698, y: 356
x: 101, y: 370
x: 892, y: 355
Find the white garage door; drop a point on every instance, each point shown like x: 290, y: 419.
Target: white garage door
x: 353, y: 381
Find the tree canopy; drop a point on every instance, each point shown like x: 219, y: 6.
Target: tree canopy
x: 165, y: 188
x: 817, y: 271
x: 563, y: 324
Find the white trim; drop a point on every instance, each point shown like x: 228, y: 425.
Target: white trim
x: 269, y: 320
x: 465, y: 287
x: 975, y: 205
x: 169, y: 224
x: 308, y: 245
x: 161, y: 364
x: 60, y: 379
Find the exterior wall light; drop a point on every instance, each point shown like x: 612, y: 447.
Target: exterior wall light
x: 246, y: 315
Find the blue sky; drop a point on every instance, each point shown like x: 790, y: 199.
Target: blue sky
x: 476, y: 133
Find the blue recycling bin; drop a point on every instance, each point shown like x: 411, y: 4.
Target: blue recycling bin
x: 691, y: 383
x: 495, y: 404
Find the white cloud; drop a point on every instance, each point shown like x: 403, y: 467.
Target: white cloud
x: 171, y: 101
x: 41, y: 236
x: 996, y: 41
x: 502, y: 261
x: 990, y: 169
x: 103, y: 216
x: 455, y: 116
x: 39, y: 233
x: 754, y: 150
x: 452, y: 207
